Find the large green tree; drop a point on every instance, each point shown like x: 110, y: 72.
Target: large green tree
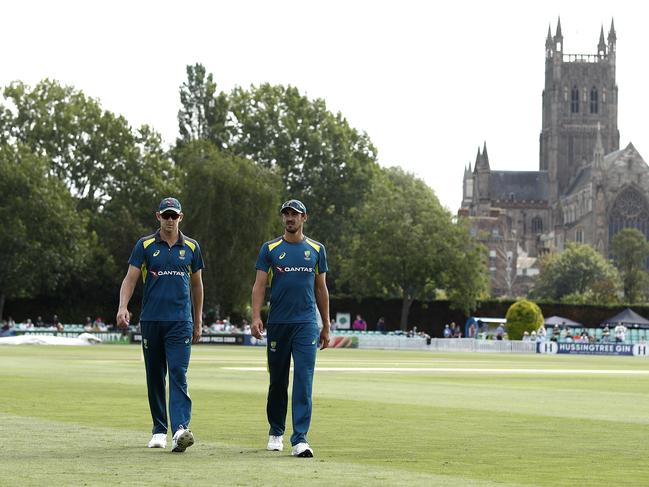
x: 320, y: 158
x: 44, y: 237
x: 232, y: 207
x: 579, y: 274
x: 630, y: 251
x: 117, y: 172
x: 407, y: 246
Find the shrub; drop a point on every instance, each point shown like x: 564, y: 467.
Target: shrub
x: 523, y: 316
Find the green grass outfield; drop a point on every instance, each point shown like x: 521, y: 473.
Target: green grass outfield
x: 79, y: 416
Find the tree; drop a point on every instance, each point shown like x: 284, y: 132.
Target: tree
x: 630, y: 251
x: 203, y: 114
x: 522, y: 316
x: 578, y: 274
x: 233, y: 207
x: 43, y: 236
x: 116, y: 172
x: 407, y: 246
x: 320, y: 158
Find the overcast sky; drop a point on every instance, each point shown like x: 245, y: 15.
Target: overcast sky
x: 428, y: 83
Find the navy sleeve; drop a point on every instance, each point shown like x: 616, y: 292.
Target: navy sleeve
x: 322, y: 260
x: 197, y: 260
x: 137, y: 256
x: 263, y: 259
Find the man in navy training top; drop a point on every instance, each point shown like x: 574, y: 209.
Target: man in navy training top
x: 170, y: 264
x: 296, y: 268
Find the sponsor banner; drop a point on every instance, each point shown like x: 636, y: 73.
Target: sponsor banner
x: 206, y: 338
x: 106, y: 337
x: 638, y: 350
x: 343, y: 321
x: 343, y: 342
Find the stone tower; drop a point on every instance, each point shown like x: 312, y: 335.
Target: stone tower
x: 580, y: 95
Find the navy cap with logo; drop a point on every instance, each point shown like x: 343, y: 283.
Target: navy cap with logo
x: 170, y: 204
x: 296, y: 205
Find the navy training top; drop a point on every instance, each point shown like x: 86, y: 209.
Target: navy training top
x: 166, y: 273
x: 291, y: 269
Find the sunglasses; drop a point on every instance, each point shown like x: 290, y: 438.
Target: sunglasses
x: 170, y: 214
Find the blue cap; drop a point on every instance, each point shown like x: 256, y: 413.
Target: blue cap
x: 170, y: 204
x: 296, y: 205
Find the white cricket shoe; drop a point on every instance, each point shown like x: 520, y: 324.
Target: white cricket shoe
x: 183, y: 439
x: 275, y: 443
x: 302, y: 450
x: 159, y: 440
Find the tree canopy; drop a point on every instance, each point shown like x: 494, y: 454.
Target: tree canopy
x: 407, y: 246
x: 579, y: 274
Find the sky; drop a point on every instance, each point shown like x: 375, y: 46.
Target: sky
x: 429, y: 83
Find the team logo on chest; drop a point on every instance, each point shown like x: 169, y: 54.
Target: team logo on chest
x: 307, y: 254
x: 181, y: 254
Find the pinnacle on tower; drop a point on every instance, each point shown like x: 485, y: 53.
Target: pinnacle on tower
x: 485, y: 156
x: 601, y: 46
x: 612, y: 37
x: 548, y: 39
x: 559, y: 34
x: 477, y: 161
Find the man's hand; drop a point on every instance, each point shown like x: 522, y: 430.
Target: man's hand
x: 324, y: 338
x: 198, y: 331
x: 257, y: 328
x: 123, y: 318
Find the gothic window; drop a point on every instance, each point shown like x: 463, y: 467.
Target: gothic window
x: 537, y: 225
x: 593, y: 100
x: 574, y: 100
x: 565, y: 93
x: 603, y: 95
x: 579, y: 236
x: 630, y: 210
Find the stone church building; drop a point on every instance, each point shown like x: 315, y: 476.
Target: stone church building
x: 586, y: 189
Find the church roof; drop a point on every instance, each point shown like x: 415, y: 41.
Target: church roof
x: 583, y: 176
x: 519, y: 185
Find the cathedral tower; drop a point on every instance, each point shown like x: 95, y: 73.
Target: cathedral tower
x: 580, y: 94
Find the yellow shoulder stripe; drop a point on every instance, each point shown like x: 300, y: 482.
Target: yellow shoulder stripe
x: 271, y: 246
x: 191, y: 245
x: 148, y: 242
x: 313, y: 244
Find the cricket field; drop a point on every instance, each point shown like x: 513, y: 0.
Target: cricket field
x: 79, y: 416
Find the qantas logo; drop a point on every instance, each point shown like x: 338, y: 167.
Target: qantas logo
x: 167, y: 273
x: 294, y: 269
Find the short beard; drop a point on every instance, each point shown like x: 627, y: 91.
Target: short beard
x: 291, y: 231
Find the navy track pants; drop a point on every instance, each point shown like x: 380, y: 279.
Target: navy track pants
x: 167, y: 346
x: 301, y: 342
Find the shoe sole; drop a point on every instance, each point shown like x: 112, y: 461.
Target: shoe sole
x: 274, y: 449
x: 185, y: 440
x: 305, y: 454
x: 157, y: 445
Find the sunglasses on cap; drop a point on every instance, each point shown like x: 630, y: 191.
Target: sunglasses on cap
x: 170, y: 214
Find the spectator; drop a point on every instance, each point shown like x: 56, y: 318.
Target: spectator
x: 380, y: 325
x: 500, y: 332
x: 542, y: 332
x: 39, y: 321
x: 447, y: 331
x: 87, y: 325
x: 453, y: 331
x: 332, y: 325
x: 620, y: 333
x: 359, y: 323
x: 57, y: 323
x: 11, y: 322
x: 526, y: 336
x: 472, y: 330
